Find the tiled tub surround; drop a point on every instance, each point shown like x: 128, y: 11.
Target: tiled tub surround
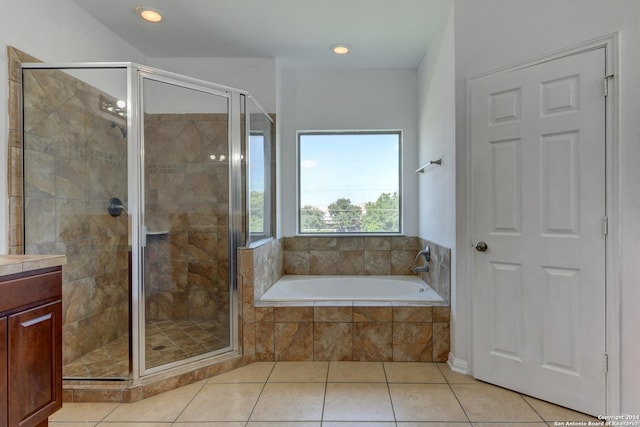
x: 380, y: 332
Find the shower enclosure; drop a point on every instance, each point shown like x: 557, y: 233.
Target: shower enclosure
x: 138, y: 176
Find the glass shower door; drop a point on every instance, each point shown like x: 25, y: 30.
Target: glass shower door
x: 185, y: 233
x: 75, y: 162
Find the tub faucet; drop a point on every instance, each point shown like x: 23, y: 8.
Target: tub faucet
x: 426, y: 253
x: 421, y: 269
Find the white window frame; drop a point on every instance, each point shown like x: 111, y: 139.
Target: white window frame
x: 401, y: 218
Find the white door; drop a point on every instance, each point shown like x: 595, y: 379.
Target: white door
x: 538, y: 165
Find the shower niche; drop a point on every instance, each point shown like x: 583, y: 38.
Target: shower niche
x: 138, y: 175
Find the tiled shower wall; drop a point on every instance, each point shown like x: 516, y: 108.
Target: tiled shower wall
x: 75, y: 160
x: 187, y: 217
x: 368, y: 333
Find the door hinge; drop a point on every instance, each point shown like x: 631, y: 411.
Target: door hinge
x: 605, y: 225
x: 606, y: 83
x: 605, y: 362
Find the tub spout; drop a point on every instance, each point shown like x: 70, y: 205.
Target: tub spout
x: 421, y: 269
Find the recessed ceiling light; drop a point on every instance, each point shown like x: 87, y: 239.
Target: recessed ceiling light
x: 149, y: 14
x: 340, y: 49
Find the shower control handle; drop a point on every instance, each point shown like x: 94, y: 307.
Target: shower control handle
x: 115, y: 207
x: 481, y: 247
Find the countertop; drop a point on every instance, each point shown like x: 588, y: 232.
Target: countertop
x: 12, y: 264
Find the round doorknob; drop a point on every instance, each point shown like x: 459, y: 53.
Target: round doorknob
x: 481, y: 247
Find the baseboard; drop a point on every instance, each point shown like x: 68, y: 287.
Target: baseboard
x: 458, y: 365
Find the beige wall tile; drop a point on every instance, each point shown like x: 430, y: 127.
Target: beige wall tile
x: 372, y: 341
x: 333, y: 314
x: 293, y: 341
x: 412, y: 314
x: 412, y: 342
x: 372, y: 314
x: 333, y: 341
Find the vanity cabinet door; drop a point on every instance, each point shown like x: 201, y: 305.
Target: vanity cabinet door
x: 3, y: 372
x: 34, y: 364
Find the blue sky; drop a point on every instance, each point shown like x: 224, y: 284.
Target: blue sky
x: 359, y: 167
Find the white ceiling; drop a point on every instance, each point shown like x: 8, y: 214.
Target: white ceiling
x: 300, y: 33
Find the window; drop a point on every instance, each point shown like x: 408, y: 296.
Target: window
x: 349, y: 182
x: 260, y: 158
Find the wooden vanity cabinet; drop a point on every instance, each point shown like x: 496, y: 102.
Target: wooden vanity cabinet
x: 30, y: 347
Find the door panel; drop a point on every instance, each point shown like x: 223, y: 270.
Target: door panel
x: 187, y: 283
x: 538, y: 165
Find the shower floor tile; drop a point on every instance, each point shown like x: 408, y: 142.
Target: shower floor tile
x: 167, y: 341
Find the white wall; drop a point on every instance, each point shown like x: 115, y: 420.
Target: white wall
x: 436, y: 88
x: 53, y: 31
x: 255, y: 75
x: 493, y: 33
x: 343, y: 100
x: 436, y: 129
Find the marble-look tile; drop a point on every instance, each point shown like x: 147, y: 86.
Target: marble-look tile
x: 374, y: 243
x: 265, y: 341
x: 323, y: 262
x: 413, y: 372
x: 357, y: 402
x: 412, y: 342
x: 412, y: 314
x: 441, y: 314
x: 333, y: 314
x: 484, y: 402
x: 377, y: 262
x: 292, y: 372
x: 254, y: 373
x: 296, y: 262
x: 372, y: 341
x: 402, y: 262
x: 405, y: 243
x: 333, y: 341
x: 290, y: 402
x: 551, y: 412
x: 441, y: 344
x: 425, y: 402
x: 264, y: 314
x: 351, y: 262
x: 222, y: 402
x: 350, y: 243
x: 356, y: 372
x: 372, y: 314
x: 296, y: 243
x: 293, y: 341
x: 293, y: 314
x: 323, y: 243
x: 249, y: 341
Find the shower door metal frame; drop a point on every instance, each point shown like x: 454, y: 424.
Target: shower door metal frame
x: 139, y: 369
x: 135, y: 189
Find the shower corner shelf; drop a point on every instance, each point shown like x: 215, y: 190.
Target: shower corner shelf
x: 157, y: 232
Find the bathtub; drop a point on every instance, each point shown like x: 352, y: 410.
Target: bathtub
x: 310, y: 290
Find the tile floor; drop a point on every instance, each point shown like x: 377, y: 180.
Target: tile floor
x: 326, y: 394
x: 167, y: 341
